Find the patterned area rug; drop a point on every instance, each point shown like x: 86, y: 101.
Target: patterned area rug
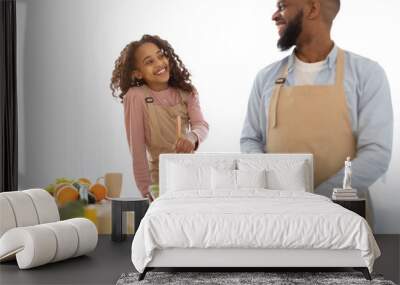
x: 269, y: 278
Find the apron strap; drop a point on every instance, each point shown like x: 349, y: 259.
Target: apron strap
x: 152, y: 114
x: 339, y: 77
x: 275, y: 96
x: 182, y: 96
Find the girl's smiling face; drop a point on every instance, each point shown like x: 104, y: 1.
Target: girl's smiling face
x: 152, y: 66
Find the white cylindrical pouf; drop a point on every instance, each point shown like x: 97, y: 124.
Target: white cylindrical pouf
x: 23, y: 208
x: 7, y: 218
x: 38, y: 244
x: 67, y: 239
x: 45, y: 205
x: 87, y: 234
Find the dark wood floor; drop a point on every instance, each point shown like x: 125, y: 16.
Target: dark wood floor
x: 110, y: 260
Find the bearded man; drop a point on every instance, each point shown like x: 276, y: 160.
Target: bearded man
x: 321, y: 100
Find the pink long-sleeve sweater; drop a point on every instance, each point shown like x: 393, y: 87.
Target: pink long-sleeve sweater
x: 137, y: 128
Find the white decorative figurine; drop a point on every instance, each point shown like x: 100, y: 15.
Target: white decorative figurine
x: 347, y: 174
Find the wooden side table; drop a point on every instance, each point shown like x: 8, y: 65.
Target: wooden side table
x: 121, y: 205
x: 355, y: 205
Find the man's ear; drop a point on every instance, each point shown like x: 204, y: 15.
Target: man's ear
x: 314, y: 7
x: 137, y: 74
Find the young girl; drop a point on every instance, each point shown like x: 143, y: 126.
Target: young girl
x: 159, y: 101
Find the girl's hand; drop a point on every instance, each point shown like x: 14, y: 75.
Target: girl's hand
x: 149, y: 196
x: 183, y: 145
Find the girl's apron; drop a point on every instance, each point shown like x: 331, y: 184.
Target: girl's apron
x: 162, y: 126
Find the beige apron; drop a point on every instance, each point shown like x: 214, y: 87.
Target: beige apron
x: 312, y: 119
x: 162, y: 126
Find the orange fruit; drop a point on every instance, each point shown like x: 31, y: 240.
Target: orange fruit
x: 99, y: 191
x: 59, y: 186
x: 66, y: 194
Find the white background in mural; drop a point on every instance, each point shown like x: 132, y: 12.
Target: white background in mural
x: 69, y: 125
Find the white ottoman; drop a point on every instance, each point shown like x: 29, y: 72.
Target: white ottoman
x: 31, y: 232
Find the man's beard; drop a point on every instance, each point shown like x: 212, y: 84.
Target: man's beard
x: 292, y: 32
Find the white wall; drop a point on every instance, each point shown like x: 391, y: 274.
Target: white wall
x: 70, y: 125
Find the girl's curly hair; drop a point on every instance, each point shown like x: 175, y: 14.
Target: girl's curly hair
x: 125, y: 64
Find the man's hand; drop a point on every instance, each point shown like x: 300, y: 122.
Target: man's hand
x: 184, y: 145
